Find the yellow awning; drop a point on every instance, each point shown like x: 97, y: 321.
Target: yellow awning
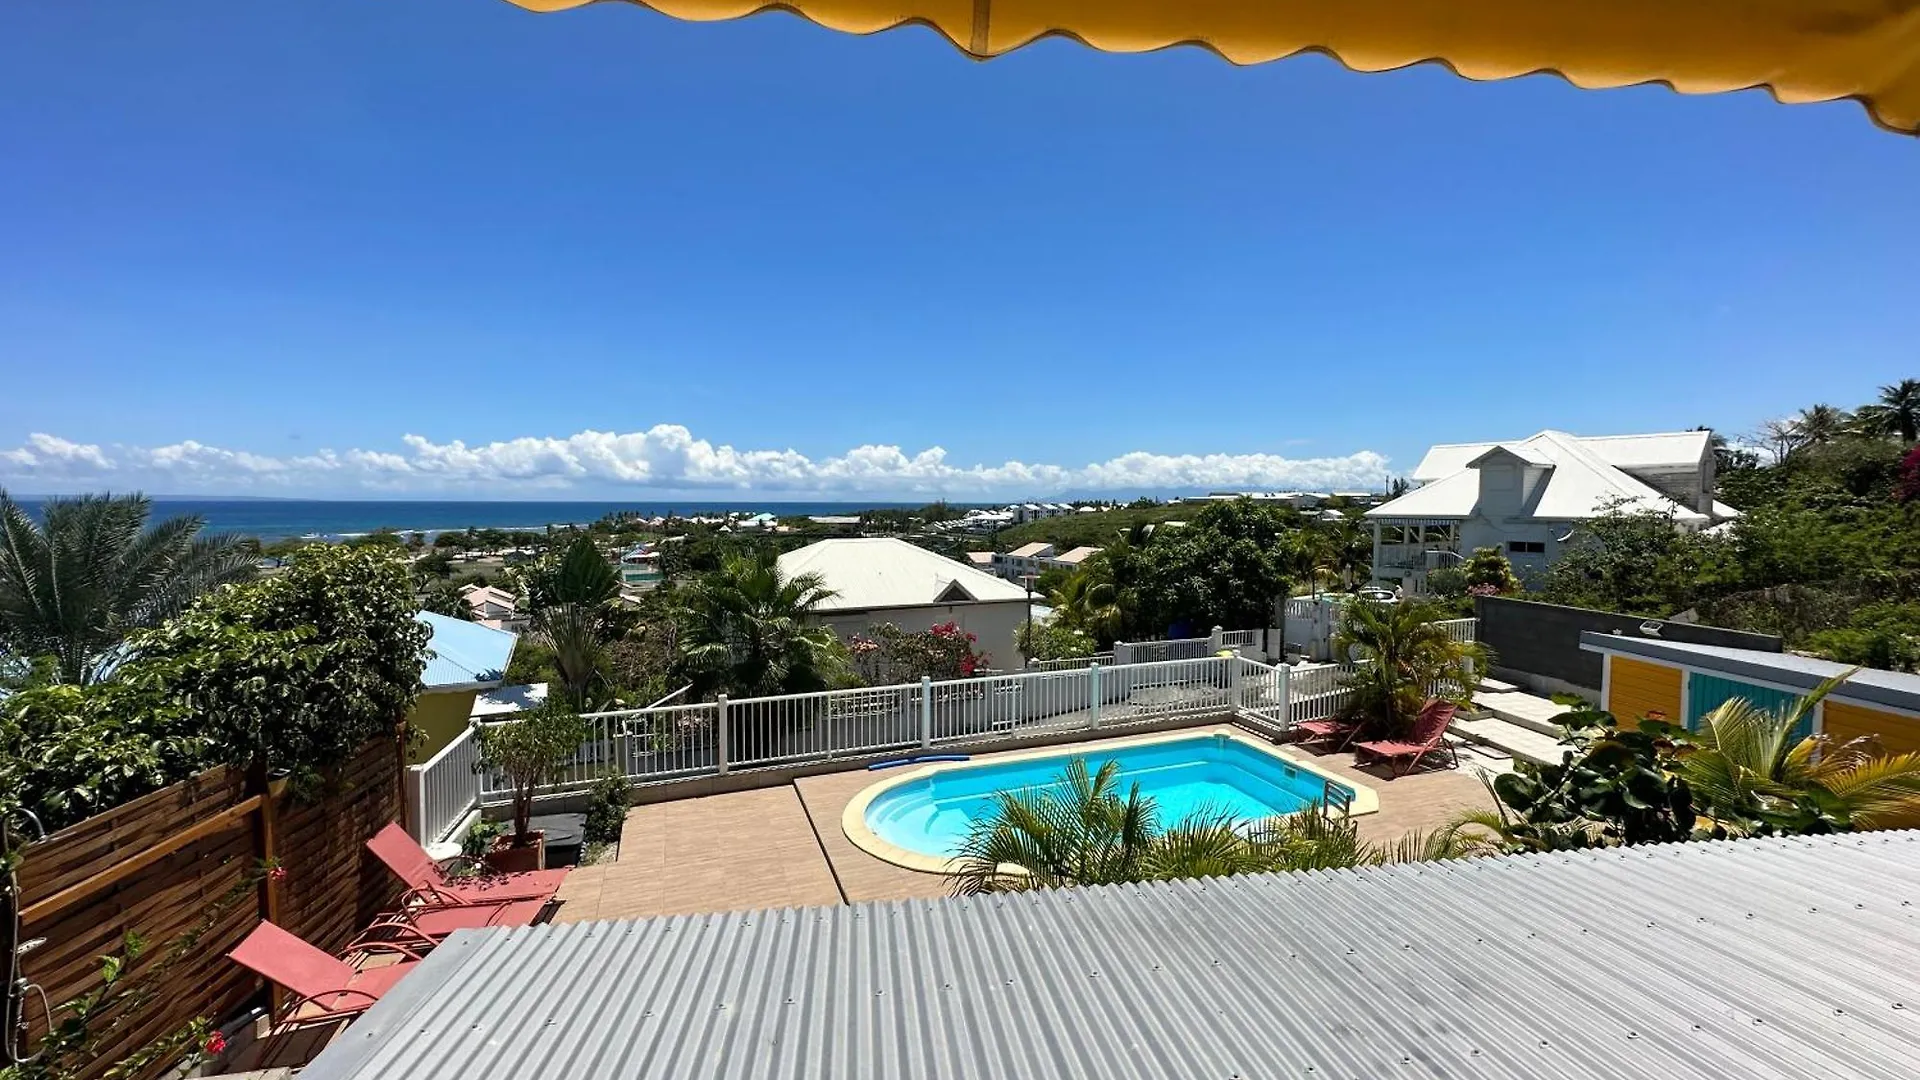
x: 1801, y: 50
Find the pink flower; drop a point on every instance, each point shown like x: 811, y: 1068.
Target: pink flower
x: 216, y: 1044
x: 278, y: 873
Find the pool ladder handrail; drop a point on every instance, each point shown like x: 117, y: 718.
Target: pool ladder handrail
x: 1331, y: 793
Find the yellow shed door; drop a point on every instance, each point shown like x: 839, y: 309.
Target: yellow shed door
x: 1636, y: 688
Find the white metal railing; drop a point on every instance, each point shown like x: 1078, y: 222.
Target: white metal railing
x: 711, y: 738
x: 1147, y: 652
x: 444, y: 789
x: 1242, y: 639
x: 1461, y: 629
x: 1071, y: 663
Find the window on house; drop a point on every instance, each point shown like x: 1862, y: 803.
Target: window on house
x: 1527, y: 547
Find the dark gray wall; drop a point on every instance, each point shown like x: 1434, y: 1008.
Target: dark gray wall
x: 1544, y: 639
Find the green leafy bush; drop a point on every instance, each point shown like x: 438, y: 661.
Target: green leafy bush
x: 301, y: 668
x: 1052, y: 640
x: 607, y: 806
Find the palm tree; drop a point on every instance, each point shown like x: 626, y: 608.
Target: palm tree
x: 1082, y: 830
x: 1896, y: 414
x: 1402, y: 655
x: 1089, y: 600
x: 570, y: 601
x: 1818, y: 425
x: 747, y: 631
x: 1744, y: 765
x: 74, y: 585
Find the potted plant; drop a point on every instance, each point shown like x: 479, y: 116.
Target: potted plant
x: 529, y: 752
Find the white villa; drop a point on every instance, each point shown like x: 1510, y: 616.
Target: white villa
x: 640, y: 569
x: 886, y: 580
x: 1524, y: 497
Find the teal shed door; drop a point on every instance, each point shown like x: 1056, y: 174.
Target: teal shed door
x: 1705, y: 693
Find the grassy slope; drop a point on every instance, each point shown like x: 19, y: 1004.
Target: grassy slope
x: 1075, y: 530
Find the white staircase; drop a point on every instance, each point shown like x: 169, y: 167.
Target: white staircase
x: 1511, y: 720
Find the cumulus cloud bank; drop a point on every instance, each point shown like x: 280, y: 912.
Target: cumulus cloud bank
x: 664, y: 458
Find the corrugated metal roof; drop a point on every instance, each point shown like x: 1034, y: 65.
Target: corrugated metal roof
x: 462, y: 653
x: 1777, y: 958
x: 1898, y: 689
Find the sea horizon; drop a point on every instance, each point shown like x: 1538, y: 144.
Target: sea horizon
x: 273, y: 518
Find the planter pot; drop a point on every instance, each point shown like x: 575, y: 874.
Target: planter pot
x: 512, y: 860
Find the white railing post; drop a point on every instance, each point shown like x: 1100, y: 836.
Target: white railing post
x: 1216, y: 641
x: 1093, y: 685
x: 926, y: 710
x: 1285, y: 678
x: 1122, y: 653
x: 720, y: 735
x: 1235, y: 696
x: 417, y: 804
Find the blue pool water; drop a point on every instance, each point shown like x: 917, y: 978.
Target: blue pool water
x: 932, y: 815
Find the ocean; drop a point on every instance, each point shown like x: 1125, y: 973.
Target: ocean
x: 278, y: 519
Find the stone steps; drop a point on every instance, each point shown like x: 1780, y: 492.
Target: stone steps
x: 1513, y: 740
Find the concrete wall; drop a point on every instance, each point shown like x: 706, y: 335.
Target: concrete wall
x: 1544, y: 639
x: 995, y: 624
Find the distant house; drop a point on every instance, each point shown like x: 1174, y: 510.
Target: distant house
x: 981, y: 560
x: 886, y: 580
x: 1071, y: 560
x: 640, y: 569
x: 493, y: 607
x: 463, y: 659
x: 1025, y: 560
x: 1524, y: 497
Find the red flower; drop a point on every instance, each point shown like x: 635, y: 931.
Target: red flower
x: 216, y: 1044
x: 278, y: 873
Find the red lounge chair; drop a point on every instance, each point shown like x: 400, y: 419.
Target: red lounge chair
x: 430, y: 886
x: 325, y: 988
x: 1429, y: 736
x: 423, y: 928
x: 1333, y: 730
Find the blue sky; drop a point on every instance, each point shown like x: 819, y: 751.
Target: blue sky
x: 253, y: 248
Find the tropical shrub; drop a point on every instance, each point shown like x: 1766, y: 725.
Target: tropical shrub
x: 607, y: 803
x: 1083, y: 830
x: 1613, y: 786
x: 1489, y: 573
x: 1402, y: 655
x: 68, y: 752
x: 944, y: 651
x: 1052, y: 640
x: 1741, y: 773
x: 530, y: 752
x: 570, y: 595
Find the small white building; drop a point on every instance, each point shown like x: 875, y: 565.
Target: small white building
x: 1525, y: 497
x: 1025, y: 560
x: 886, y: 580
x: 493, y: 607
x: 640, y: 569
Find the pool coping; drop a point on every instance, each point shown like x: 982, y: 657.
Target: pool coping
x: 853, y: 818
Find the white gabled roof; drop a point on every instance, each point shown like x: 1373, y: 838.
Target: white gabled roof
x: 877, y: 572
x: 1665, y: 449
x: 1581, y: 483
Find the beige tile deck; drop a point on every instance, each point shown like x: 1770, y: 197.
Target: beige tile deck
x: 750, y: 849
x: 758, y: 849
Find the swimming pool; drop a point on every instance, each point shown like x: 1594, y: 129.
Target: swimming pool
x: 919, y: 818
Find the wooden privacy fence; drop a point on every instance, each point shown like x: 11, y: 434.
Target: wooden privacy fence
x: 159, y: 865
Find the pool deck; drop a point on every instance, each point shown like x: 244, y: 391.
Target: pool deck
x: 783, y: 846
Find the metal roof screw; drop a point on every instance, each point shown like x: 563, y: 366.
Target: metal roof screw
x: 1897, y: 1005
x: 1633, y: 1034
x: 1406, y: 1059
x: 1839, y: 1012
x: 1697, y: 1027
x: 1543, y: 1042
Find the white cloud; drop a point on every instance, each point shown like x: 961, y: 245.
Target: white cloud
x: 664, y: 458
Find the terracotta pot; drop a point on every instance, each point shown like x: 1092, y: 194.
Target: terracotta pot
x: 512, y: 860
